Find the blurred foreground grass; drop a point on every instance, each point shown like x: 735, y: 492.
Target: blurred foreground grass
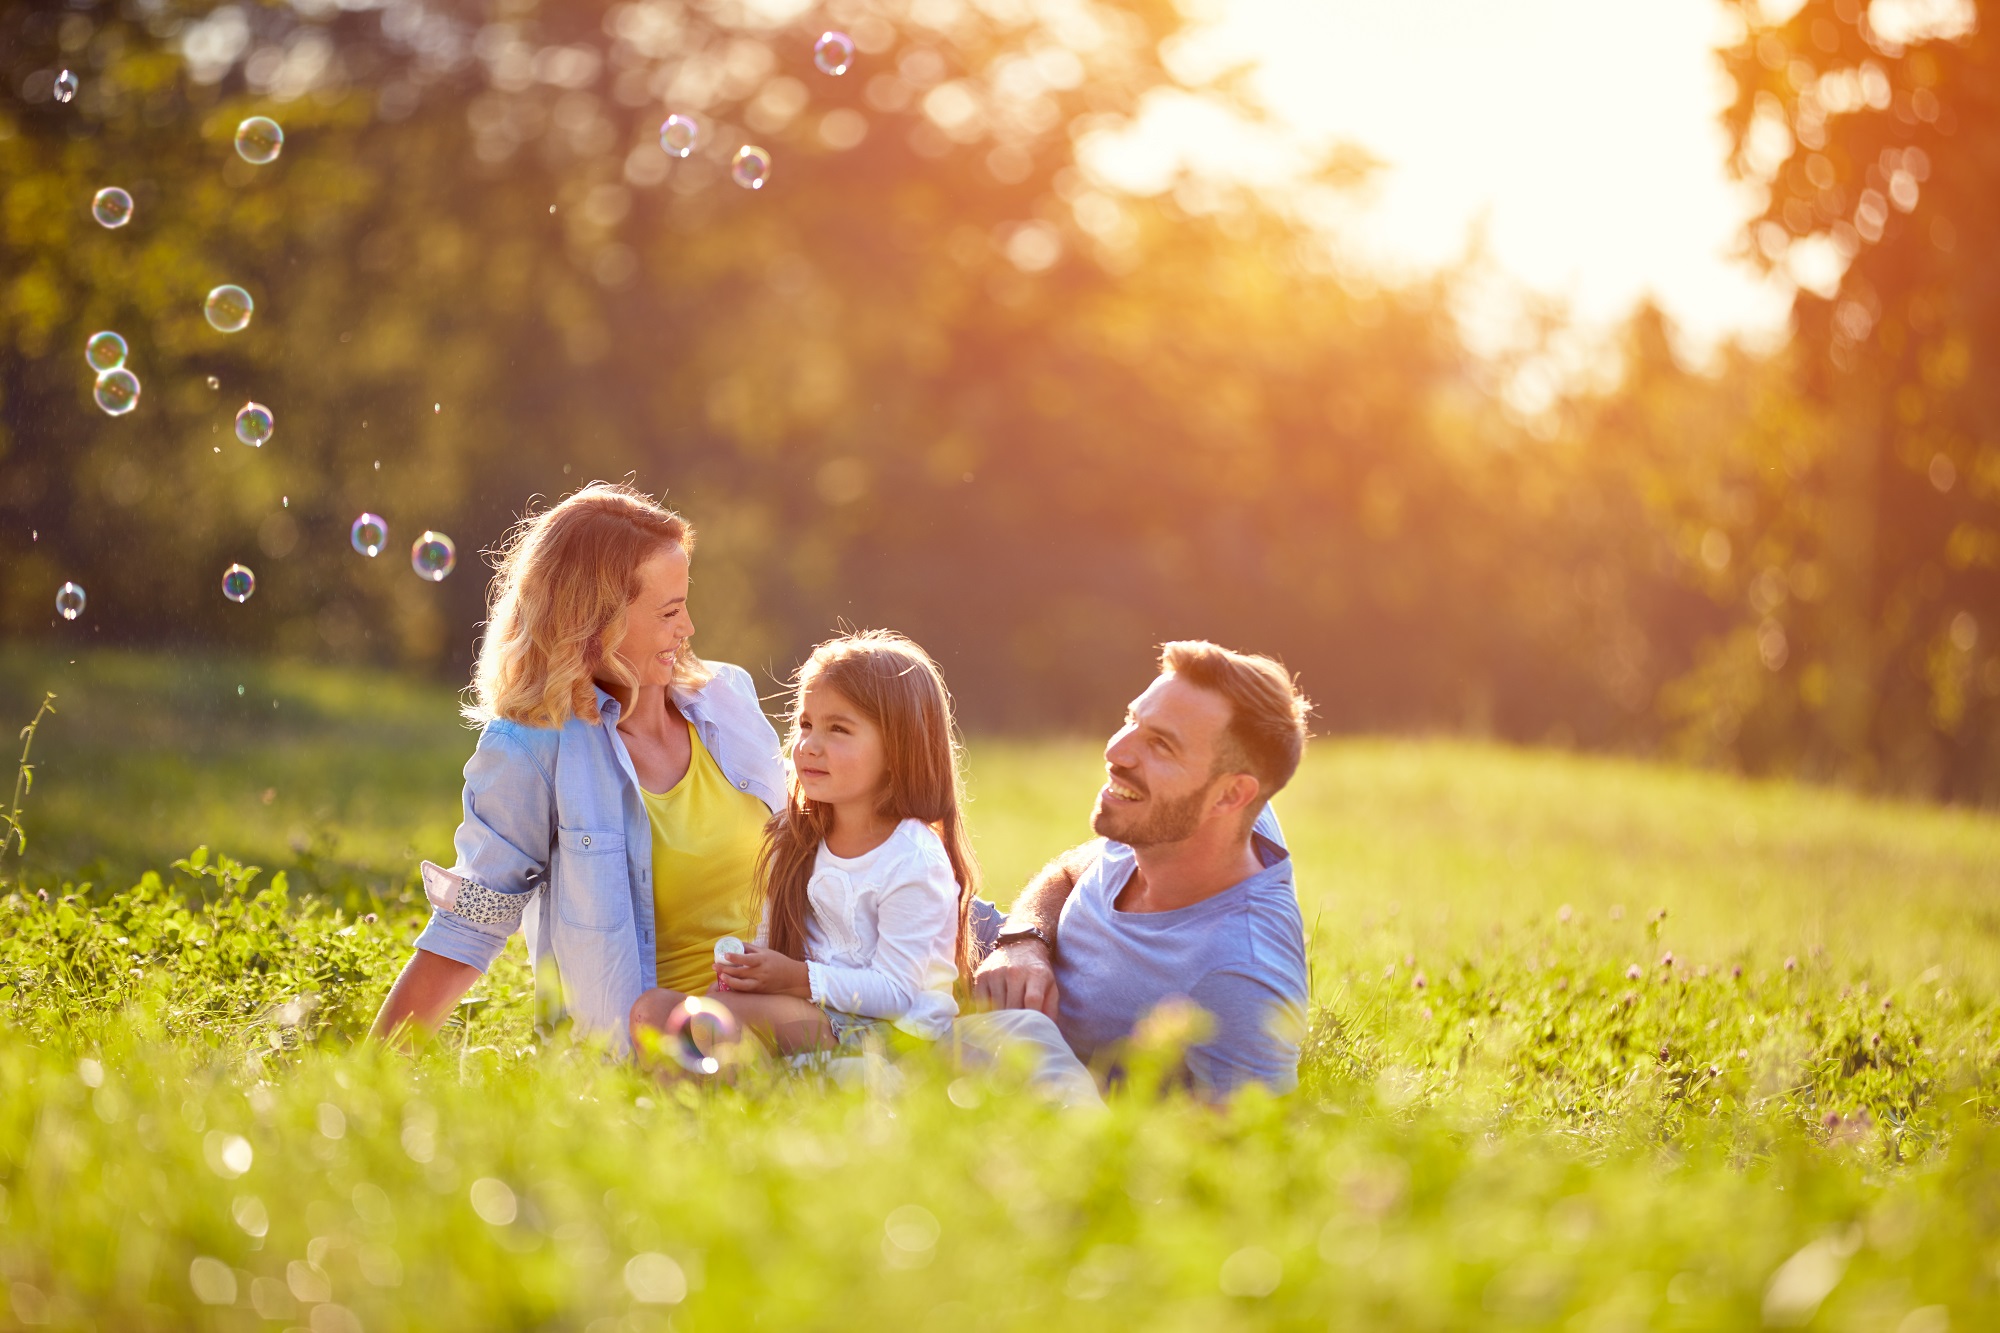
x: 1529, y: 1100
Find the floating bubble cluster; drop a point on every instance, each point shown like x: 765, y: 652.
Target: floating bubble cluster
x: 369, y: 534
x: 259, y: 140
x: 112, y: 207
x: 678, y: 135
x: 833, y: 52
x: 254, y: 424
x: 433, y: 556
x: 105, y: 351
x: 702, y: 1036
x: 117, y: 391
x: 238, y: 583
x: 69, y: 601
x: 751, y: 167
x: 66, y: 86
x: 228, y: 309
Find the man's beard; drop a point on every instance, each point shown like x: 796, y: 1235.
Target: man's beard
x: 1168, y: 821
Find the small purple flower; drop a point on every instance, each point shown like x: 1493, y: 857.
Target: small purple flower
x: 1791, y: 964
x: 1633, y: 973
x: 1667, y: 959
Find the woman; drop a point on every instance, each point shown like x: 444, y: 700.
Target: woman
x: 618, y: 795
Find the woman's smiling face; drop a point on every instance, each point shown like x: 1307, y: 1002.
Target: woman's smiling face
x: 657, y: 624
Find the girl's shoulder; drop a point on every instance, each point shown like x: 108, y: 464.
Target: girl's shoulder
x: 915, y: 844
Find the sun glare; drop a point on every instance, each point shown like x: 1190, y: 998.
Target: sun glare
x: 1574, y: 143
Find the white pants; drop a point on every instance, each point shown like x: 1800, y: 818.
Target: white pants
x: 1056, y: 1072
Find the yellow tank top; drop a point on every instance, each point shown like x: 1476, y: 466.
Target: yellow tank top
x: 705, y: 839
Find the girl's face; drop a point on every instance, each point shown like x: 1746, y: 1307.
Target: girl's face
x: 838, y: 754
x: 657, y: 626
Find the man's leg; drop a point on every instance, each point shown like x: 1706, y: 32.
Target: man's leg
x: 1057, y: 1072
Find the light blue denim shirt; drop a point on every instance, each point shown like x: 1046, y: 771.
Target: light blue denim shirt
x: 554, y: 829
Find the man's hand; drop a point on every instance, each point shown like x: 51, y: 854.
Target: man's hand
x: 760, y: 970
x: 1017, y: 975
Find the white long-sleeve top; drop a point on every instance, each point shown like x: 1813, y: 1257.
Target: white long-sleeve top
x: 883, y: 937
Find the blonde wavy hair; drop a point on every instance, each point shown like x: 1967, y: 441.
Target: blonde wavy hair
x: 564, y: 579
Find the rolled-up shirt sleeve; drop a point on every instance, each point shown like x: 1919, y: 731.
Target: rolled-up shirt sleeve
x: 502, y: 847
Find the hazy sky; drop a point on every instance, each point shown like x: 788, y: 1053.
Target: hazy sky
x: 1581, y: 134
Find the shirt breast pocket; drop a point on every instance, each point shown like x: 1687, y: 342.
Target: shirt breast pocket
x: 593, y: 884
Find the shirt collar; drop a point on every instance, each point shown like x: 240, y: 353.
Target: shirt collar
x: 684, y: 699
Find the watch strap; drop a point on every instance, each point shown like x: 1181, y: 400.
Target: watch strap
x: 1009, y: 934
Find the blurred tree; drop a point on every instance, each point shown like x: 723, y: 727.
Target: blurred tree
x: 1874, y: 582
x: 934, y: 374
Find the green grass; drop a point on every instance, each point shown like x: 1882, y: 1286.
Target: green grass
x: 1500, y: 1124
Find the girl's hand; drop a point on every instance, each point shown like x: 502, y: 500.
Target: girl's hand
x: 760, y: 970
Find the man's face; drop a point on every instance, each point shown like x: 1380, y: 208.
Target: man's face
x: 1160, y: 767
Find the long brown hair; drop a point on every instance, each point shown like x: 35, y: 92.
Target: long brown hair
x: 896, y: 686
x: 564, y: 578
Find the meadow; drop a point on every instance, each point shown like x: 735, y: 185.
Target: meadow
x: 1596, y: 1044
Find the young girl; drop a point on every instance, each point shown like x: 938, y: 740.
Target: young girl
x: 866, y: 876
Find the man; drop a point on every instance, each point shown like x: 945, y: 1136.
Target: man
x: 1187, y: 895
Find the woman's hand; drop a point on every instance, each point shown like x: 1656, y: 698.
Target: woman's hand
x: 760, y: 970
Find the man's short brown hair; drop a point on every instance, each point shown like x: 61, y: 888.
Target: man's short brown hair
x: 1266, y: 736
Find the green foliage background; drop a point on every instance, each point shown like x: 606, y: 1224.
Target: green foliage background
x: 945, y: 380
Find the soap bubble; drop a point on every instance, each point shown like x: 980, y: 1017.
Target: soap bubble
x: 65, y: 91
x: 117, y: 391
x: 751, y: 168
x: 112, y: 207
x: 433, y: 556
x: 214, y: 382
x: 678, y: 134
x: 69, y: 601
x: 369, y: 534
x: 833, y: 52
x: 254, y: 424
x: 702, y: 1036
x: 105, y: 351
x: 228, y: 309
x: 259, y: 140
x: 238, y: 583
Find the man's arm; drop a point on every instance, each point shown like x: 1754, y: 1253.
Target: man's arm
x: 1020, y: 974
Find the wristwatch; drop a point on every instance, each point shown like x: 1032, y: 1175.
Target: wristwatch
x: 1012, y: 933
